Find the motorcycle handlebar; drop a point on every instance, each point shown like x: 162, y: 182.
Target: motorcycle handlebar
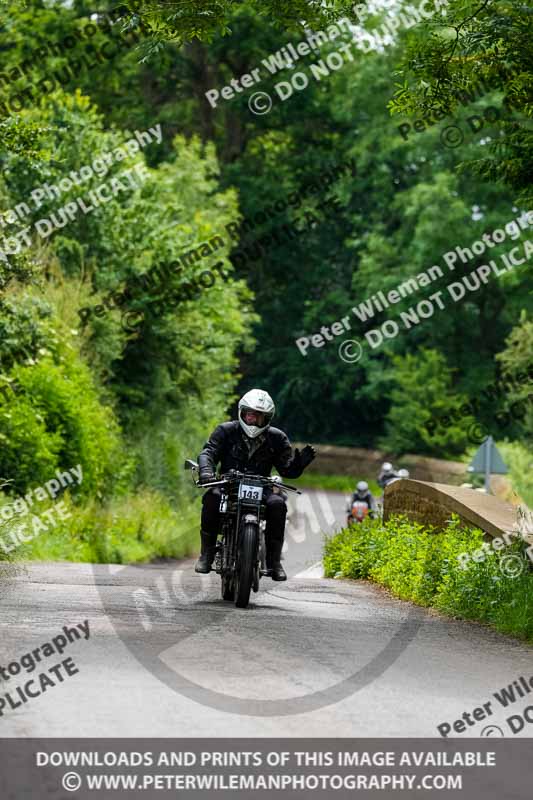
x: 235, y: 475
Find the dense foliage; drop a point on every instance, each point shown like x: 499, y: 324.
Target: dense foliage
x: 127, y: 390
x: 424, y: 565
x: 203, y: 19
x: 478, y: 42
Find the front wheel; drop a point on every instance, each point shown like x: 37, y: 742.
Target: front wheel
x: 246, y: 564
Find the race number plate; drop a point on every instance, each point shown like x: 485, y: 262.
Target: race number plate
x: 252, y: 493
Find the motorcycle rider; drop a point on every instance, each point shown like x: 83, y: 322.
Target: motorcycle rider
x: 387, y: 474
x: 249, y: 444
x: 362, y: 494
x: 402, y: 473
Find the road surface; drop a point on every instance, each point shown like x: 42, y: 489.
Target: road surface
x: 166, y: 657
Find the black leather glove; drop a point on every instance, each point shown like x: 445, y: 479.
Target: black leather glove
x: 306, y: 456
x: 206, y: 476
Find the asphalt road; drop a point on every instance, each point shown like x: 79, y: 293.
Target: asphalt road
x: 310, y: 657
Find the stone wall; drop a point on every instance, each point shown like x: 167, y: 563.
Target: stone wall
x: 434, y: 503
x: 365, y: 464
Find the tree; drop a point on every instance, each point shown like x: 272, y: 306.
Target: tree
x: 203, y: 19
x: 422, y: 388
x: 394, y: 208
x: 479, y: 42
x: 517, y: 368
x: 179, y: 365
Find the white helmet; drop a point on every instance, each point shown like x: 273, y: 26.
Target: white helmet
x: 256, y: 400
x: 387, y: 467
x: 403, y: 473
x: 362, y: 486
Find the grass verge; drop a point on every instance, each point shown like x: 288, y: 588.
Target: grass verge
x: 130, y: 529
x: 333, y: 483
x: 419, y: 564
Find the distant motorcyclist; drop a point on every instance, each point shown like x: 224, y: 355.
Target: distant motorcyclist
x: 402, y: 473
x: 362, y: 494
x: 250, y: 444
x: 387, y: 474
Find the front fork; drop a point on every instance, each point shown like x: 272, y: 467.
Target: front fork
x: 260, y: 562
x: 226, y: 556
x: 261, y: 567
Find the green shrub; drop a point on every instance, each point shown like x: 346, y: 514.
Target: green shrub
x: 131, y: 529
x: 423, y: 389
x: 417, y: 563
x: 29, y: 451
x: 55, y: 420
x: 5, y: 552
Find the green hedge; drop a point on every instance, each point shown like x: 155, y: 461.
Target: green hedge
x: 132, y: 529
x: 54, y: 421
x: 420, y: 564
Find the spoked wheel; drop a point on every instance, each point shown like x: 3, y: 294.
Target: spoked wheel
x: 244, y: 574
x: 228, y: 588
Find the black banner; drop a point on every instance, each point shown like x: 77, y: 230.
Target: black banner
x: 56, y: 769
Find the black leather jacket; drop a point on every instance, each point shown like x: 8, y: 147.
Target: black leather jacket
x: 227, y: 445
x: 367, y: 498
x: 385, y: 478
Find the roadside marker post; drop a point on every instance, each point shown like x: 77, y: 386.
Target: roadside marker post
x: 488, y: 460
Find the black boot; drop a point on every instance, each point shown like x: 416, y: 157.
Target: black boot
x: 209, y: 543
x: 273, y: 562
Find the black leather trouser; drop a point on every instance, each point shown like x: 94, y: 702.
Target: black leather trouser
x: 275, y: 514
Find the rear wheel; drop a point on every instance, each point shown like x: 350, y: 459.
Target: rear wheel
x: 246, y: 564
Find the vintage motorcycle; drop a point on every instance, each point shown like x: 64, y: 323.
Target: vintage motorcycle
x: 357, y: 512
x: 240, y: 555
